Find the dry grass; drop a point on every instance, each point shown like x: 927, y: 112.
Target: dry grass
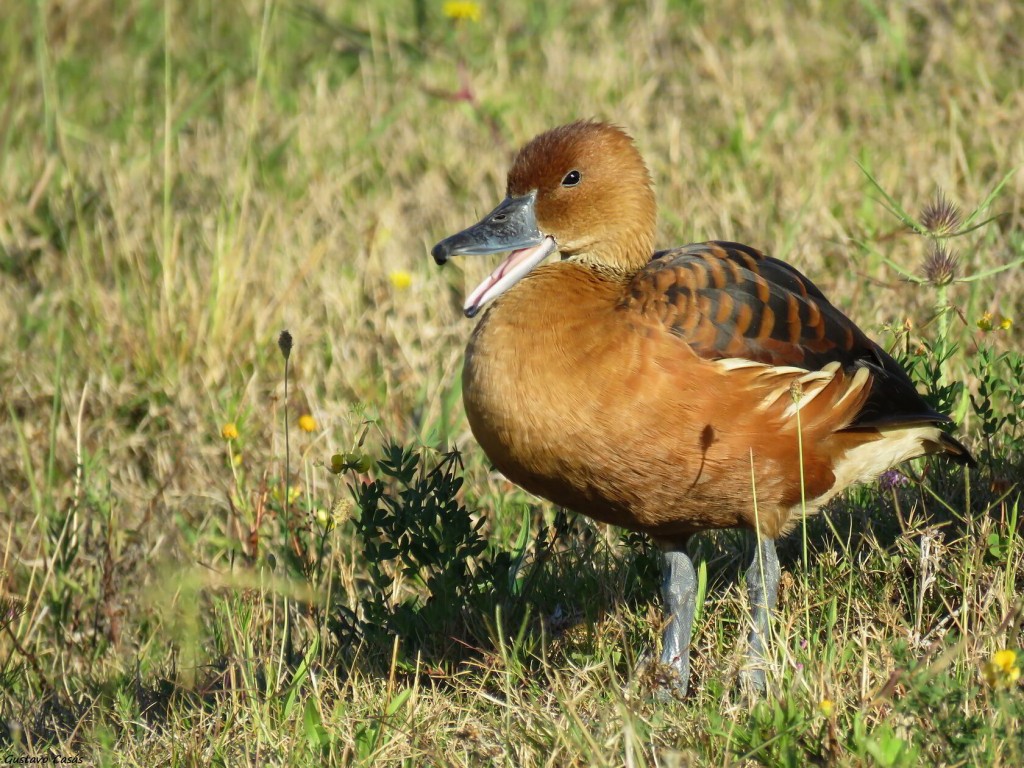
x: 182, y: 180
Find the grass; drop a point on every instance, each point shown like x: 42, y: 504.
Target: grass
x: 183, y: 180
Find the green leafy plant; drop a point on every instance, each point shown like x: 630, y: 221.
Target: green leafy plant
x: 999, y: 403
x: 777, y: 732
x: 412, y: 527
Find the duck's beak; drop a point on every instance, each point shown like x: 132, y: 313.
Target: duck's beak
x: 512, y: 226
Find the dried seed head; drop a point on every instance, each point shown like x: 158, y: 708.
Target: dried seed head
x: 284, y: 343
x: 941, y: 216
x: 940, y: 266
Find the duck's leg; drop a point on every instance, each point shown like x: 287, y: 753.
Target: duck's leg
x: 763, y: 589
x: 679, y: 591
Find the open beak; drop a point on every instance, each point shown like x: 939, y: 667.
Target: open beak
x: 512, y: 226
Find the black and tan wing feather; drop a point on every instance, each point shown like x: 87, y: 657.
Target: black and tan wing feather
x: 728, y: 300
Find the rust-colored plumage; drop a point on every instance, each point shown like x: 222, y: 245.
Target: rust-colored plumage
x: 665, y: 392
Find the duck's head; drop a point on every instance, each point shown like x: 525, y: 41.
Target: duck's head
x: 581, y: 190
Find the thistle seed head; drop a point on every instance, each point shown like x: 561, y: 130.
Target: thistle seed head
x: 941, y: 216
x: 941, y: 266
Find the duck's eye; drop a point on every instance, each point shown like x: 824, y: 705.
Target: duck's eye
x: 572, y: 178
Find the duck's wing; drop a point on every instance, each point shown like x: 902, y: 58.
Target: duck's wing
x: 730, y: 301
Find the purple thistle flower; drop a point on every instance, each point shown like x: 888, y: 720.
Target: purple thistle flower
x: 892, y: 478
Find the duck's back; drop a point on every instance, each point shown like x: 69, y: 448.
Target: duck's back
x: 728, y: 300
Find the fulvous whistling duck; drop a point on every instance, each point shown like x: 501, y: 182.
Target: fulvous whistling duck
x: 706, y: 386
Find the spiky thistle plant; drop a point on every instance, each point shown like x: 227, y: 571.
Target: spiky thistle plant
x: 940, y: 221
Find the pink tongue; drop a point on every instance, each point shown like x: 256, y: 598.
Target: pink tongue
x: 513, y: 258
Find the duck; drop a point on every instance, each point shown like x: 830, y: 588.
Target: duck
x: 670, y: 392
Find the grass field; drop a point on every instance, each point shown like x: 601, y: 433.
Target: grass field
x: 200, y: 568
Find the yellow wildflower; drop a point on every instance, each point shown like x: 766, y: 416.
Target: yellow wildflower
x: 229, y: 431
x: 985, y: 322
x: 307, y: 423
x: 460, y: 11
x: 237, y: 459
x: 1006, y: 323
x: 826, y: 707
x: 1001, y: 671
x: 400, y: 279
x: 1006, y: 660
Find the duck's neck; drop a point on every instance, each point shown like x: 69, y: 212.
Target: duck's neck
x: 620, y: 257
x: 552, y: 307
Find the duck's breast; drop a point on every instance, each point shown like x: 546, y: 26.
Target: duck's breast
x: 578, y: 403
